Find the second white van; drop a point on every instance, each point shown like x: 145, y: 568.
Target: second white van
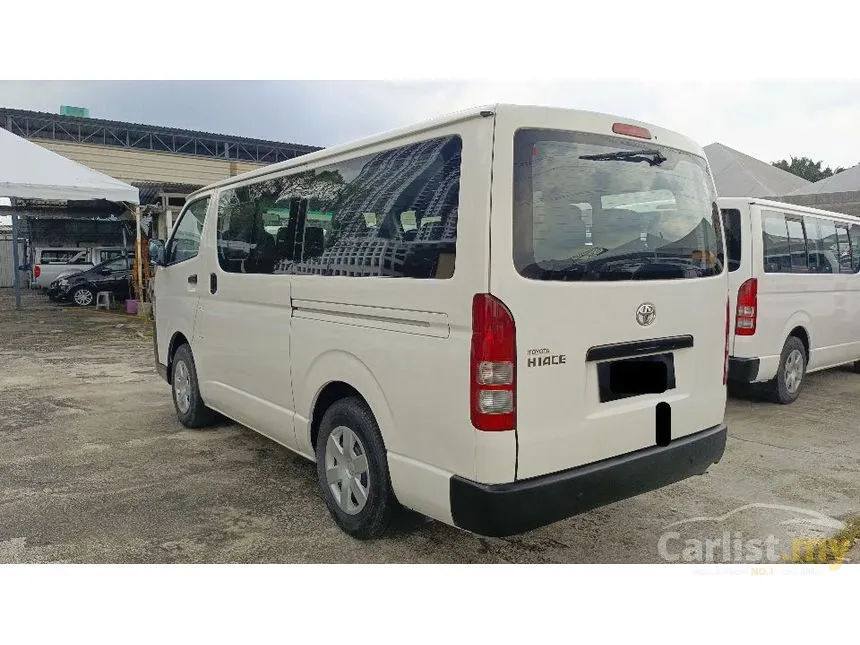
x: 498, y: 319
x: 794, y: 283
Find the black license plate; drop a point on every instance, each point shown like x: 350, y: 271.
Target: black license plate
x: 629, y: 377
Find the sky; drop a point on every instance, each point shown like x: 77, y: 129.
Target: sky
x: 767, y: 120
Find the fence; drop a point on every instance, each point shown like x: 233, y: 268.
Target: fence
x: 7, y: 276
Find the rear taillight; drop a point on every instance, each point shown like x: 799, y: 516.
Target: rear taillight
x: 745, y: 318
x: 726, y: 349
x: 37, y: 271
x: 492, y: 365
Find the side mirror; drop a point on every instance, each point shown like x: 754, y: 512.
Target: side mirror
x: 156, y: 252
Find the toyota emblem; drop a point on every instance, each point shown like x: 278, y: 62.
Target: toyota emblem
x: 645, y: 314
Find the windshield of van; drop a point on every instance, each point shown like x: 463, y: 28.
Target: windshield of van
x: 595, y: 207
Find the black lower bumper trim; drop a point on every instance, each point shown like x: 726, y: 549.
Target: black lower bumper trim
x: 498, y: 510
x: 743, y: 370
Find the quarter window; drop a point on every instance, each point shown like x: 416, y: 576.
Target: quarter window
x: 732, y: 227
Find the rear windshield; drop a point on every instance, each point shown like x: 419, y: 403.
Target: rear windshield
x: 595, y: 207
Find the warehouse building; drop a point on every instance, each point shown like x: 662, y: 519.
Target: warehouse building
x: 165, y: 164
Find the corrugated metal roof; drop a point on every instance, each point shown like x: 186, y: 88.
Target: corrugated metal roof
x: 739, y: 175
x: 154, y: 129
x: 149, y: 191
x: 844, y: 182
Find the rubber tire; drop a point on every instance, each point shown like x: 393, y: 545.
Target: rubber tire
x: 198, y: 415
x: 857, y: 367
x: 777, y: 390
x: 74, y: 302
x: 375, y: 518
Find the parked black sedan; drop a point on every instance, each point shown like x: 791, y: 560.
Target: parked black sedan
x: 112, y: 275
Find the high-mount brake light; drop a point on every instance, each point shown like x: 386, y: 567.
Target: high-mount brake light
x: 631, y: 130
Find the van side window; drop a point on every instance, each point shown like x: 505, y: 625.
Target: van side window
x: 854, y: 238
x: 390, y: 214
x: 797, y: 245
x: 777, y: 255
x: 844, y: 245
x: 828, y: 239
x: 185, y: 242
x: 732, y: 228
x: 248, y: 222
x: 819, y: 261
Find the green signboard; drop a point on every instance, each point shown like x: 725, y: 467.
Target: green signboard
x: 70, y: 110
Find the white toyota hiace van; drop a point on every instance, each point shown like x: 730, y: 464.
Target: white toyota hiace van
x: 794, y: 282
x: 498, y: 319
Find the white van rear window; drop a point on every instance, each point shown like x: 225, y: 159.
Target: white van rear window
x: 651, y: 209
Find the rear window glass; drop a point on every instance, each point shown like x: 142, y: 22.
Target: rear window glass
x: 64, y: 256
x: 594, y: 207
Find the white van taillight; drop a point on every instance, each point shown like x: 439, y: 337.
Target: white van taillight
x: 37, y: 271
x: 747, y: 308
x: 726, y: 349
x: 492, y: 365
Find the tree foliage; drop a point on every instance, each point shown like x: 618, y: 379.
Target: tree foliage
x: 807, y: 168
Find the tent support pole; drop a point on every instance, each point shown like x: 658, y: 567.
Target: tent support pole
x: 15, y: 261
x: 138, y: 253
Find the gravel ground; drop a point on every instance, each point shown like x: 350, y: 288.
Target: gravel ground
x: 95, y: 468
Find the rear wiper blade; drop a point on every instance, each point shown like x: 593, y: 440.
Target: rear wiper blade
x: 653, y: 157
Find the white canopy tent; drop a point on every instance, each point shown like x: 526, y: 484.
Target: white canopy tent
x: 29, y: 171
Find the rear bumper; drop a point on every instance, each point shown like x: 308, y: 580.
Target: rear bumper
x: 743, y: 370
x: 497, y: 510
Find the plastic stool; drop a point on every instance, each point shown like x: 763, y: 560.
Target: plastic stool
x: 104, y: 299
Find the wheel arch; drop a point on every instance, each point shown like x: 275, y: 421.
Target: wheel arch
x: 799, y: 325
x: 802, y: 334
x: 334, y: 375
x: 176, y: 341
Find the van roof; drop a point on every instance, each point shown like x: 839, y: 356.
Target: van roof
x: 430, y: 124
x: 734, y: 201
